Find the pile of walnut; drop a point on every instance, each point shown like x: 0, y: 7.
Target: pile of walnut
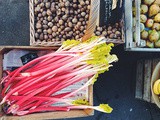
x: 59, y: 20
x: 110, y: 31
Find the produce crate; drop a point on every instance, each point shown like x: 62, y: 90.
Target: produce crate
x: 111, y: 21
x: 154, y: 79
x: 45, y: 115
x: 134, y: 41
x: 93, y: 14
x: 121, y: 40
x: 143, y: 79
x: 94, y: 17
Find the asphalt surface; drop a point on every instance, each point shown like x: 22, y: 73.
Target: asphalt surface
x: 116, y: 87
x: 14, y: 22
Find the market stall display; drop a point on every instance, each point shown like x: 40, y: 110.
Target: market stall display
x: 35, y: 86
x: 146, y: 26
x: 60, y: 84
x: 7, y: 54
x: 111, y: 21
x: 52, y: 22
x: 113, y: 33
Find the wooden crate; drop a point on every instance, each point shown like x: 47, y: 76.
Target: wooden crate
x: 138, y: 44
x: 115, y: 8
x: 93, y: 15
x: 119, y: 41
x: 93, y: 22
x: 143, y: 79
x: 45, y: 115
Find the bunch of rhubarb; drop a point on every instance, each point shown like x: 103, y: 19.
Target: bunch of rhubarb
x: 32, y: 87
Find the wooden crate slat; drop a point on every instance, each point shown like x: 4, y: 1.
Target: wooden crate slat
x: 154, y: 63
x: 143, y: 79
x: 139, y: 80
x: 147, y: 79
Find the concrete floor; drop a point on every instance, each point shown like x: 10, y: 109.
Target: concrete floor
x: 115, y: 87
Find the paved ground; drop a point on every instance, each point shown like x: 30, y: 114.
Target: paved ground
x: 14, y: 22
x: 115, y: 87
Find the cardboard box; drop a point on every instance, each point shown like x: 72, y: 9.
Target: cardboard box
x: 46, y: 115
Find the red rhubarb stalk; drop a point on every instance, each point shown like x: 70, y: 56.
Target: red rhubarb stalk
x: 31, y: 63
x: 61, y: 86
x: 48, y: 63
x: 43, y: 109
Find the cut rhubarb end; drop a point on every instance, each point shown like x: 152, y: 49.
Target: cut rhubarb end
x: 3, y: 101
x: 25, y: 74
x: 15, y: 94
x: 20, y: 113
x: 4, y: 79
x: 32, y: 108
x: 13, y: 109
x: 49, y: 109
